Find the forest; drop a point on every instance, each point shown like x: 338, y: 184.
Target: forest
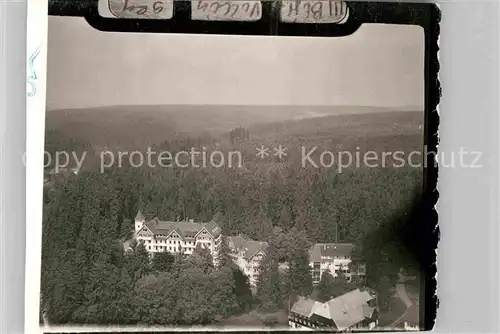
x: 88, y: 279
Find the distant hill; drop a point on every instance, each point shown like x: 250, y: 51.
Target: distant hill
x: 139, y: 126
x: 360, y: 125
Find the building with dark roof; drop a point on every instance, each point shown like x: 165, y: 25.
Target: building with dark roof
x: 334, y: 257
x: 247, y: 254
x: 351, y: 311
x: 177, y: 237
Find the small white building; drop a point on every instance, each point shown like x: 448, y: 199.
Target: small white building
x: 248, y: 255
x: 177, y: 237
x: 334, y: 257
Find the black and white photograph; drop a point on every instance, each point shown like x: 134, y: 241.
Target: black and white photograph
x: 217, y: 182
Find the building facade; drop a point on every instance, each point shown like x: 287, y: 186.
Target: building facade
x: 334, y: 257
x: 354, y: 310
x: 247, y: 254
x: 177, y: 237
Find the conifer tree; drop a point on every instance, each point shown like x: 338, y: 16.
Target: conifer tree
x: 242, y: 289
x: 179, y: 264
x: 138, y: 262
x: 340, y: 284
x: 163, y: 261
x: 300, y: 274
x: 66, y: 287
x: 201, y: 258
x: 223, y: 298
x: 108, y: 298
x: 326, y: 286
x: 264, y: 223
x: 224, y: 257
x: 269, y: 288
x: 285, y: 219
x: 194, y: 305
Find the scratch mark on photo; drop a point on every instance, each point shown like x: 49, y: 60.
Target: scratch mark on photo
x: 32, y: 77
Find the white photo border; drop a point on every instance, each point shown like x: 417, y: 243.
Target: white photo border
x: 36, y: 62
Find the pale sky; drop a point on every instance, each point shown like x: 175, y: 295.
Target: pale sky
x: 379, y: 65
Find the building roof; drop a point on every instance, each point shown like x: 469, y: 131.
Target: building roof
x: 248, y: 246
x: 345, y: 311
x: 183, y: 229
x: 213, y: 228
x: 236, y: 242
x: 304, y: 306
x: 368, y: 311
x: 322, y: 309
x: 332, y: 250
x: 350, y: 308
x: 253, y: 247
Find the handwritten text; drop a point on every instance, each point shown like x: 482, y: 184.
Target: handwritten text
x: 144, y: 9
x: 319, y: 11
x: 210, y: 10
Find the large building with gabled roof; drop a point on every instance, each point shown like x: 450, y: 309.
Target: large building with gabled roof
x: 177, y: 237
x: 248, y: 255
x: 354, y: 310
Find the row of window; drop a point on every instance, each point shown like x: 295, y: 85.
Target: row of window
x: 299, y: 323
x: 171, y: 249
x: 327, y: 258
x: 171, y: 235
x: 176, y: 242
x: 360, y: 271
x: 297, y: 326
x: 250, y: 268
x: 170, y: 242
x: 302, y: 322
x: 317, y: 279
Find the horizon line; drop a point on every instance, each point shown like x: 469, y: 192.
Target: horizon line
x: 405, y: 107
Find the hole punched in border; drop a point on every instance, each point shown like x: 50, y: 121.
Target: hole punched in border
x: 305, y: 18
